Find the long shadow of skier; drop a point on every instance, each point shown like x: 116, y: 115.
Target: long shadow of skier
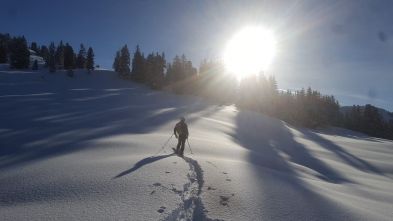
x: 141, y: 163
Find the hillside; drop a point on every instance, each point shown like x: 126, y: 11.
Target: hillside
x: 386, y: 115
x: 87, y: 148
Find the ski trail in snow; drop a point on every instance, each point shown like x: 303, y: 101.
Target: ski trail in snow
x: 191, y: 207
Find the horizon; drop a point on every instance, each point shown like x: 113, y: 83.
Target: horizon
x: 339, y: 48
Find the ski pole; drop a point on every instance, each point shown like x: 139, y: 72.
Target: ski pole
x: 189, y: 146
x: 163, y: 146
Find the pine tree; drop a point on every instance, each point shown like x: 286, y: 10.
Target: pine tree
x: 154, y: 69
x: 90, y: 60
x: 44, y: 53
x: 60, y: 55
x: 177, y: 69
x: 3, y: 53
x: 4, y: 43
x: 68, y: 57
x: 34, y: 47
x: 52, y: 57
x: 116, y: 62
x: 81, y: 57
x: 182, y: 75
x: 169, y: 73
x: 19, y: 53
x: 214, y: 71
x: 159, y: 79
x: 372, y: 121
x: 75, y: 59
x: 124, y: 62
x: 138, y: 66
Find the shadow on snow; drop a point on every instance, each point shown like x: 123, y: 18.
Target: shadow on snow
x: 52, y: 119
x: 276, y: 153
x: 141, y: 163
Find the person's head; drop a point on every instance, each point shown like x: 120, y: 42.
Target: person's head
x: 182, y: 119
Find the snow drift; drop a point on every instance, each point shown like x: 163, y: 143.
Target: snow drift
x: 88, y: 148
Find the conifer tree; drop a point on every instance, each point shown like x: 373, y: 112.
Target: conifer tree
x: 169, y: 73
x: 68, y: 57
x: 90, y: 59
x: 372, y: 121
x: 52, y: 57
x: 44, y: 53
x: 81, y: 57
x: 3, y: 53
x: 60, y: 55
x: 75, y: 59
x: 19, y: 53
x: 154, y: 68
x: 138, y: 66
x: 4, y: 43
x: 211, y: 74
x: 124, y: 62
x: 34, y: 47
x: 116, y: 62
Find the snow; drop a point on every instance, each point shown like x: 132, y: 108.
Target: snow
x: 34, y: 57
x: 87, y: 148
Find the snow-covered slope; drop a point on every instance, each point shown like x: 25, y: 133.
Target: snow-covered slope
x: 87, y: 148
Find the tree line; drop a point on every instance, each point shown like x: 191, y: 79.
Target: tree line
x: 368, y: 119
x: 15, y: 51
x: 304, y: 107
x: 152, y: 70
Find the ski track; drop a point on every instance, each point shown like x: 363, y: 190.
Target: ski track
x: 192, y: 207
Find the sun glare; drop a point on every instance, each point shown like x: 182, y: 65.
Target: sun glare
x: 249, y: 51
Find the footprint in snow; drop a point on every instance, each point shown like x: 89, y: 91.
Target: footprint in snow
x: 211, y: 188
x: 161, y: 209
x: 224, y: 200
x: 179, y: 192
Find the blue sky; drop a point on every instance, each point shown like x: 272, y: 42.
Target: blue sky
x: 344, y: 48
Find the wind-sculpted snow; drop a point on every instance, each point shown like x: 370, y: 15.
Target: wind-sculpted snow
x: 95, y: 147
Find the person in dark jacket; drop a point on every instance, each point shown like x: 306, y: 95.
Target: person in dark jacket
x: 181, y: 133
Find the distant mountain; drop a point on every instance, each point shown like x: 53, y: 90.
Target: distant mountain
x: 386, y: 115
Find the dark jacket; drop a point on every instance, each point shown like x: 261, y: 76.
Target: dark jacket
x: 181, y: 130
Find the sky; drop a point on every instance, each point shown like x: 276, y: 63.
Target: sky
x: 343, y: 48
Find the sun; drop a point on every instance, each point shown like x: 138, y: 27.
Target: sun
x: 250, y: 51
